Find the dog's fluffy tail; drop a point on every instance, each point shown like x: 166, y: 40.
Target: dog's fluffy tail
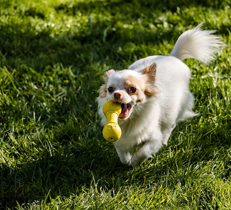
x: 197, y: 43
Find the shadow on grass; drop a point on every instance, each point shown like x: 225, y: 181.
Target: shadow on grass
x: 60, y: 174
x: 80, y: 160
x: 78, y: 165
x: 120, y: 5
x: 38, y: 49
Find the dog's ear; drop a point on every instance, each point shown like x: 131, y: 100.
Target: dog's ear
x: 108, y: 74
x: 150, y: 73
x: 103, y: 91
x: 103, y: 88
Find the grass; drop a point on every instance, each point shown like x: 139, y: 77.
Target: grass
x: 52, y: 153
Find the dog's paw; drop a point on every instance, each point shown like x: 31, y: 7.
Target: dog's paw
x: 134, y: 162
x: 125, y: 159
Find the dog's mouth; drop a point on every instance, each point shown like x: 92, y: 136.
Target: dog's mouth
x: 126, y: 108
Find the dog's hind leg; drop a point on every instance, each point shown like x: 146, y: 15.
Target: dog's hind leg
x: 167, y: 132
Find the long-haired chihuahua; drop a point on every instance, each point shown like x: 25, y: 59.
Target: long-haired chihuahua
x: 154, y: 95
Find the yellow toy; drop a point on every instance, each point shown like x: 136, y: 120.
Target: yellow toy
x: 112, y: 131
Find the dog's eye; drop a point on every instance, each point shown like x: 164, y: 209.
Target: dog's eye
x: 111, y: 89
x: 132, y: 89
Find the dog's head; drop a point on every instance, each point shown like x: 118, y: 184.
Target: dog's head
x: 130, y: 88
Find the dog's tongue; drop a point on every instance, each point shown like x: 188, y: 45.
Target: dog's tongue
x: 125, y: 111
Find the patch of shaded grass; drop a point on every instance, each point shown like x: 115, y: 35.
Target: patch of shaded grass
x: 52, y: 154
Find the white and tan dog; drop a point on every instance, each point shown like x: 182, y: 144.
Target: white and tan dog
x: 154, y: 95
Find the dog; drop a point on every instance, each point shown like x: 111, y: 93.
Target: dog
x: 154, y: 95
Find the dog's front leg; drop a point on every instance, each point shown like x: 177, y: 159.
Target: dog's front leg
x: 125, y: 156
x: 147, y: 150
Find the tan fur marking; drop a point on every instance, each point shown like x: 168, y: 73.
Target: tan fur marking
x: 150, y: 72
x: 103, y: 88
x: 103, y: 91
x: 138, y: 83
x: 108, y: 74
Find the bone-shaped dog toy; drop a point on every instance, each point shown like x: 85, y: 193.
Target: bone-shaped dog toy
x: 112, y: 131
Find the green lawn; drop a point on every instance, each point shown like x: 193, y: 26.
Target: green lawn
x: 52, y: 153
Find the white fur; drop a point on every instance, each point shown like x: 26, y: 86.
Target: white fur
x: 152, y: 121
